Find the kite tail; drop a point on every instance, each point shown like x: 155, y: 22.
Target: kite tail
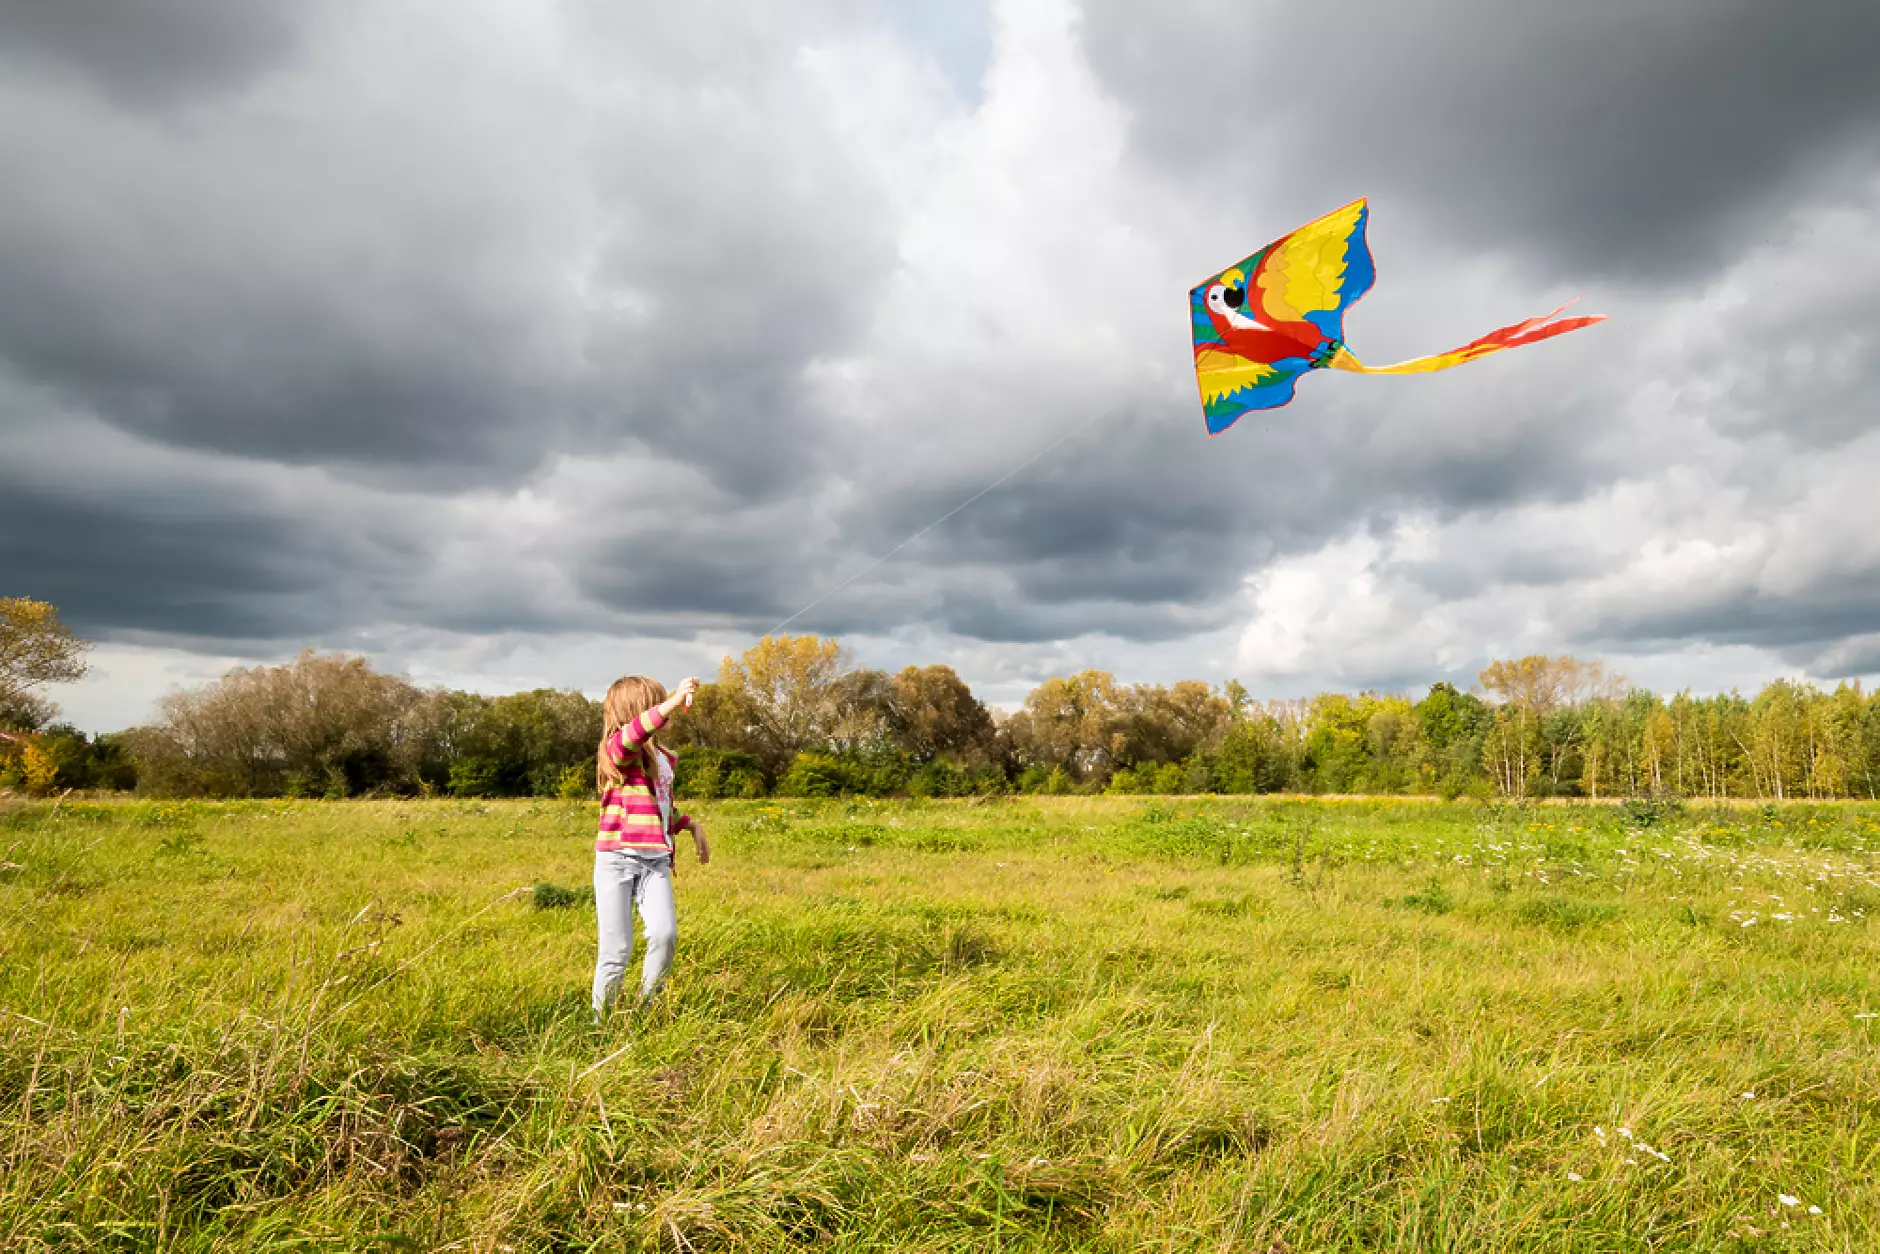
x: 1532, y: 331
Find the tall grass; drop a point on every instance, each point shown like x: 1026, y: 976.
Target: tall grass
x: 1083, y: 1024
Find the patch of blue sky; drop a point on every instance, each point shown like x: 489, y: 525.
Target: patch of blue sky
x: 955, y: 34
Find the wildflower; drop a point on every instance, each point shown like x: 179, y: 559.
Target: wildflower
x: 1575, y: 1176
x: 1787, y: 1200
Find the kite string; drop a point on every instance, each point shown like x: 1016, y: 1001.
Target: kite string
x: 996, y: 483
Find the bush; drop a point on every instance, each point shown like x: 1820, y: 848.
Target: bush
x: 1125, y: 783
x: 475, y: 777
x: 715, y: 773
x: 38, y: 770
x: 1650, y: 811
x: 820, y: 775
x: 1055, y: 783
x: 940, y: 778
x: 576, y: 783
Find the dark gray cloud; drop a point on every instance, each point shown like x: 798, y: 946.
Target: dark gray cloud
x: 449, y: 284
x: 168, y: 563
x: 664, y: 322
x: 154, y: 53
x: 1804, y: 626
x: 1640, y: 142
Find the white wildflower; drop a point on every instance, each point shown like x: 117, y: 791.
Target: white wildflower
x: 1786, y: 1200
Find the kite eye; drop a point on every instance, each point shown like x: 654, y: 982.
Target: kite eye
x: 1234, y: 297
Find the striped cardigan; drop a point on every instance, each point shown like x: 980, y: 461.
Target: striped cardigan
x: 630, y: 817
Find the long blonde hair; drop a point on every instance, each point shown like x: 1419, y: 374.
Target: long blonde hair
x: 629, y: 698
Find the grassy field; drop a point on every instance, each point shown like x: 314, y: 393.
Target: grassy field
x: 1078, y: 1024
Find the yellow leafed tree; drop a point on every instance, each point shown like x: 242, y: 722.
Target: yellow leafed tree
x: 36, y: 649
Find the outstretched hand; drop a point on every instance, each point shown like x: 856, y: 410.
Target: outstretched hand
x: 681, y: 698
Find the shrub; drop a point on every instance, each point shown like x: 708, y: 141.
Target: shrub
x: 1058, y: 783
x: 576, y: 783
x: 37, y: 770
x: 820, y: 775
x: 940, y: 778
x: 1650, y: 811
x: 714, y: 773
x: 1125, y: 783
x: 475, y: 777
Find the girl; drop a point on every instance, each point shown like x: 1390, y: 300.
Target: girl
x: 633, y: 857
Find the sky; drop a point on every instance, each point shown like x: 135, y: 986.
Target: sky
x: 516, y: 343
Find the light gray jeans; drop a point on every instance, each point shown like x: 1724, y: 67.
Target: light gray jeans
x: 622, y: 882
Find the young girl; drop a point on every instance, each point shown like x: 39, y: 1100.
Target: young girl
x: 633, y: 856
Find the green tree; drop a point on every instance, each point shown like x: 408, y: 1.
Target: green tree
x: 1453, y: 726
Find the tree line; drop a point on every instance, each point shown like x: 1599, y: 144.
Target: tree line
x: 793, y: 716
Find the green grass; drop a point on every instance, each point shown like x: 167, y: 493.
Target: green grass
x: 1077, y: 1024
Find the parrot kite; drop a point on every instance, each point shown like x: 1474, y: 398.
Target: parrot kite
x: 1261, y: 324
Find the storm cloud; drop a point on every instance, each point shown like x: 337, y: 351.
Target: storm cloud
x: 523, y: 344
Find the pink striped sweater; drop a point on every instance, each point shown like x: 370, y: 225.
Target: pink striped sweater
x: 630, y: 812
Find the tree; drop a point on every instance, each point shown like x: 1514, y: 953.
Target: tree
x: 36, y: 649
x: 1529, y: 690
x: 933, y: 715
x: 326, y: 725
x: 781, y: 698
x: 1169, y: 725
x: 1254, y: 756
x: 519, y: 745
x: 1598, y: 725
x: 862, y: 712
x: 1072, y: 725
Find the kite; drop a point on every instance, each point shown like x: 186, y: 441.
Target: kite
x: 1261, y: 324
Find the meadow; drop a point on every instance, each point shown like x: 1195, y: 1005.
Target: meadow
x: 1106, y: 1024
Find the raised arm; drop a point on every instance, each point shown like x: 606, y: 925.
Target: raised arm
x: 635, y: 733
